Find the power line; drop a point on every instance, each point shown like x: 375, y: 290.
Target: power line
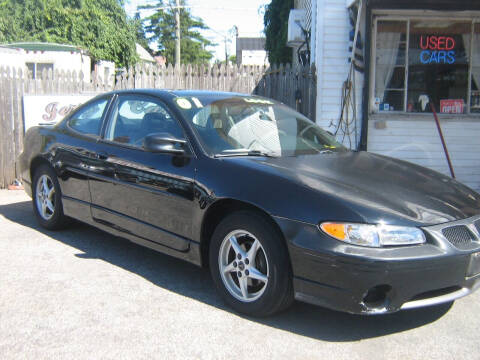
x: 196, y: 7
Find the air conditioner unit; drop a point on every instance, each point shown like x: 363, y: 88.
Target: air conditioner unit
x: 296, y: 21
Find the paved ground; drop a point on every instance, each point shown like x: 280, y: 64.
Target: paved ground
x: 81, y: 293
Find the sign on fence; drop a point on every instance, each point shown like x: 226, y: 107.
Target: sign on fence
x: 49, y: 109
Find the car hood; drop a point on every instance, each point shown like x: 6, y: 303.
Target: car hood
x: 377, y: 187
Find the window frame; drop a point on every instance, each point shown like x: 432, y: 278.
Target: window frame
x: 474, y: 19
x: 35, y: 71
x: 109, y: 118
x: 106, y: 111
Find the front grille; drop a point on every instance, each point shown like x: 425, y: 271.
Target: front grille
x: 477, y: 225
x: 459, y: 236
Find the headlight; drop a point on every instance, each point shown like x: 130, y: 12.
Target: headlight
x: 374, y: 235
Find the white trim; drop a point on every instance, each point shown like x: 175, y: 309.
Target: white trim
x: 469, y: 94
x: 407, y: 63
x: 350, y: 3
x: 412, y: 14
x: 373, y: 64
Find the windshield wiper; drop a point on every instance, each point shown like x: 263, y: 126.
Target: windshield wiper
x: 244, y: 152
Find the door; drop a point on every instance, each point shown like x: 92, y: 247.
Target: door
x: 148, y: 195
x: 73, y: 155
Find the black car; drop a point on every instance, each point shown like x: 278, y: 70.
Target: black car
x: 271, y: 203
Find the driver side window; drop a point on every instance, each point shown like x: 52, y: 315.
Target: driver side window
x: 136, y: 117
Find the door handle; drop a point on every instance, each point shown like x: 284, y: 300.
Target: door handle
x: 101, y: 155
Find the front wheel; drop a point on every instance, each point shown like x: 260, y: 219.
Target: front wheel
x: 250, y: 265
x: 47, y: 199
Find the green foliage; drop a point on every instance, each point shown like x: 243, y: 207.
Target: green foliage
x: 276, y: 28
x: 140, y: 35
x: 161, y: 28
x: 99, y: 26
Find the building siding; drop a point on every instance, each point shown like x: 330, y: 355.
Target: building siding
x: 332, y: 44
x: 410, y: 137
x: 417, y: 141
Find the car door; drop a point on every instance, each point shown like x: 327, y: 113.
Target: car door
x: 74, y: 152
x: 148, y: 194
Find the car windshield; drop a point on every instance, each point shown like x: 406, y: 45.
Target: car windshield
x: 238, y: 126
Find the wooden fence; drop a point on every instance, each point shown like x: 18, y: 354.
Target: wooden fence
x: 293, y: 86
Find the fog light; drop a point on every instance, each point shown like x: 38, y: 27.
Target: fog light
x: 376, y: 296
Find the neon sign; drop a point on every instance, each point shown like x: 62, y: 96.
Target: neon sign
x: 437, y: 49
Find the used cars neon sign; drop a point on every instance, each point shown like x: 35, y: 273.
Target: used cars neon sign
x: 437, y: 49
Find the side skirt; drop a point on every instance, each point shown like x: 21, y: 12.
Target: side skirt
x: 80, y: 211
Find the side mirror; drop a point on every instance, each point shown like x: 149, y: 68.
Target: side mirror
x: 163, y: 143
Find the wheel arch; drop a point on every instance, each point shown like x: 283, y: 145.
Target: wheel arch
x: 35, y: 163
x: 219, y: 210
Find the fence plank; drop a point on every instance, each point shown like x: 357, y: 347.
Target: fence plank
x: 9, y: 160
x: 3, y: 122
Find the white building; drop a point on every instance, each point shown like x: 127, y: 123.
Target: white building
x: 143, y: 54
x: 251, y: 51
x: 37, y: 57
x: 410, y: 55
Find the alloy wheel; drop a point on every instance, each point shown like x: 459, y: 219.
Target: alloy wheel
x: 45, y: 197
x: 243, y: 265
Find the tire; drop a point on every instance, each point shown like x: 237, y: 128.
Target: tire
x: 47, y: 206
x: 250, y: 265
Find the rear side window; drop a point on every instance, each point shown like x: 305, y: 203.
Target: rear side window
x: 135, y: 117
x: 88, y: 119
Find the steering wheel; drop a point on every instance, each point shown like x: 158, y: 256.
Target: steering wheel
x: 260, y: 139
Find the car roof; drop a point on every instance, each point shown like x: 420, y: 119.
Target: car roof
x: 178, y: 93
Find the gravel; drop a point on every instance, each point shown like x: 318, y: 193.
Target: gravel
x: 82, y: 293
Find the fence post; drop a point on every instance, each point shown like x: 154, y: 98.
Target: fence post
x: 8, y: 150
x: 3, y: 96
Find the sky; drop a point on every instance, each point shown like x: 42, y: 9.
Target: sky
x: 220, y: 16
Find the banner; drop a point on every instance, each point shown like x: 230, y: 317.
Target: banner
x: 49, y: 109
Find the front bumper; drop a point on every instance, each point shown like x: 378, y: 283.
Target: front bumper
x: 364, y: 280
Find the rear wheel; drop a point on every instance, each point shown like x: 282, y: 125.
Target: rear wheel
x: 250, y: 265
x: 47, y: 199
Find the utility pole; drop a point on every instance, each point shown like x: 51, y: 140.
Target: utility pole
x: 177, y: 32
x: 226, y: 54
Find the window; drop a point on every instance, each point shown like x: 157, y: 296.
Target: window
x: 88, y: 119
x: 424, y: 62
x: 232, y: 126
x: 36, y: 69
x: 136, y: 117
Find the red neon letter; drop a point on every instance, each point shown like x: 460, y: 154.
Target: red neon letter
x: 441, y: 43
x: 423, y: 46
x: 450, y: 43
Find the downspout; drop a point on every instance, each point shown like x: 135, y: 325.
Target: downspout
x: 320, y: 7
x: 313, y: 32
x: 366, y: 83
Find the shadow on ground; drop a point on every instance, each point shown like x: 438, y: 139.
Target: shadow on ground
x: 189, y: 280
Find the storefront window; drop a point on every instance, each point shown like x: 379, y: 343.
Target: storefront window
x: 391, y: 62
x: 420, y: 63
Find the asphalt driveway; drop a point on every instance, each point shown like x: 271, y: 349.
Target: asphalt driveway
x: 81, y: 293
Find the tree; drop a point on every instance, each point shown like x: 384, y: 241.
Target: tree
x: 161, y: 28
x: 99, y: 26
x: 141, y: 37
x: 276, y: 29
